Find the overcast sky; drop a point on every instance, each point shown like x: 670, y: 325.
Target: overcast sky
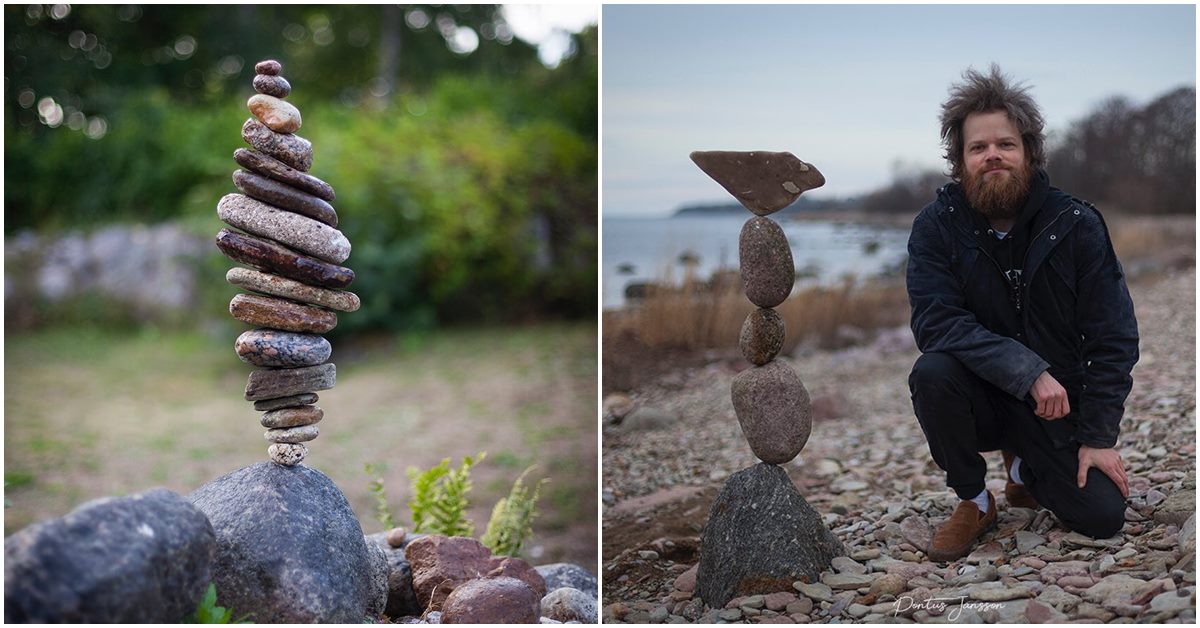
x: 852, y: 89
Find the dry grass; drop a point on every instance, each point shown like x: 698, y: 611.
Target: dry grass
x: 1161, y: 239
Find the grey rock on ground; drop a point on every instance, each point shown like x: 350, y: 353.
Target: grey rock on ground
x: 380, y: 570
x: 289, y: 547
x: 761, y: 536
x: 145, y: 558
x: 566, y: 604
x: 559, y: 575
x: 401, y: 598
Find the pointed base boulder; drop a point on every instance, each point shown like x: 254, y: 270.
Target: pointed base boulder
x: 761, y: 536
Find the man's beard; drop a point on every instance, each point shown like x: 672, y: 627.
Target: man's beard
x: 998, y: 197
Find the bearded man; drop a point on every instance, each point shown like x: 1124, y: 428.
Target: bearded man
x: 1024, y: 322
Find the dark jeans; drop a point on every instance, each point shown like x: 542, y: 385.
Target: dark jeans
x: 963, y: 415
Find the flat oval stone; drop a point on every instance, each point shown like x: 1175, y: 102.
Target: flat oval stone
x: 292, y: 417
x: 287, y: 454
x: 279, y: 115
x: 268, y: 383
x: 291, y: 149
x: 268, y: 66
x: 279, y: 171
x: 762, y: 336
x: 284, y: 197
x: 291, y: 401
x: 272, y: 85
x: 268, y: 347
x: 298, y: 434
x: 763, y: 182
x: 774, y: 410
x: 768, y: 273
x: 281, y: 314
x: 288, y: 228
x: 265, y: 283
x: 275, y: 258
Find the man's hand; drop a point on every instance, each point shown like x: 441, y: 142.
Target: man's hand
x: 1108, y: 461
x: 1050, y: 396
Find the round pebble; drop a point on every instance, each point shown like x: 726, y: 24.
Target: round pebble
x: 279, y: 115
x: 292, y: 417
x: 288, y: 454
x: 774, y: 410
x: 762, y: 336
x: 291, y: 435
x: 269, y: 66
x: 768, y: 272
x: 272, y: 85
x: 396, y: 537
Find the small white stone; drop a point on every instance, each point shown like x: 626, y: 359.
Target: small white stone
x: 791, y: 187
x: 288, y: 454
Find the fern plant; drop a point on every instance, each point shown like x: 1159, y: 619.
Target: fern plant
x: 382, y: 513
x: 512, y: 518
x: 439, y: 500
x: 207, y: 612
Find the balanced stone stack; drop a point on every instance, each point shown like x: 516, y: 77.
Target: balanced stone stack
x: 761, y: 535
x: 289, y: 238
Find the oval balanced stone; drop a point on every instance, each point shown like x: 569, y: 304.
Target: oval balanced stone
x: 272, y: 85
x: 271, y: 257
x: 762, y: 336
x: 292, y: 150
x: 281, y: 314
x: 763, y: 182
x: 268, y: 383
x: 267, y: 347
x: 270, y: 167
x: 292, y: 417
x: 279, y: 115
x: 266, y: 283
x: 287, y: 454
x: 291, y: 401
x: 288, y: 228
x: 768, y: 272
x: 299, y: 434
x: 284, y: 196
x: 774, y: 410
x: 270, y: 67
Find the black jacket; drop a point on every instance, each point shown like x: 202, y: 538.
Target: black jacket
x: 1075, y: 317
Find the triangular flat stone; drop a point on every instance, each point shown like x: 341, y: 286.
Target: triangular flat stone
x: 762, y: 181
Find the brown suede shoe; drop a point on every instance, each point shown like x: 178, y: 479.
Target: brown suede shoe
x: 1017, y: 494
x: 955, y: 538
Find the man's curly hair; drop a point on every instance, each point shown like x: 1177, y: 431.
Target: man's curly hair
x: 982, y: 94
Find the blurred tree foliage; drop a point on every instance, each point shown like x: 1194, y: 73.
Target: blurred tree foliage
x: 465, y: 169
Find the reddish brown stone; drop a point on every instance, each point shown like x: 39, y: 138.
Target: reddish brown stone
x: 275, y: 258
x: 497, y: 600
x: 772, y: 406
x: 440, y: 563
x: 511, y: 567
x: 282, y: 314
x: 269, y: 67
x: 762, y: 336
x: 279, y: 171
x: 763, y: 182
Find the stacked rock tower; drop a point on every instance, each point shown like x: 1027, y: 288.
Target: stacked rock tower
x: 761, y: 534
x: 286, y: 232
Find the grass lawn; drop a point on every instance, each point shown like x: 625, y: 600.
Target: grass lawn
x: 91, y: 413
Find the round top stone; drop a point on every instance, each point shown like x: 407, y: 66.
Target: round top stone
x: 270, y: 66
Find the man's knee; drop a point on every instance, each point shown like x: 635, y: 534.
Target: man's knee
x: 934, y: 371
x: 1099, y: 514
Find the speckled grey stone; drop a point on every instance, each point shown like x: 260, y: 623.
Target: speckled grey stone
x: 269, y: 67
x: 279, y: 115
x: 774, y: 410
x: 763, y: 182
x: 762, y: 336
x: 291, y: 149
x: 288, y: 228
x: 270, y: 167
x: 768, y: 273
x: 276, y: 86
x: 281, y: 314
x: 297, y: 434
x: 284, y: 196
x: 287, y: 454
x: 292, y: 417
x: 291, y: 401
x: 275, y: 285
x: 269, y: 347
x: 267, y: 383
x: 273, y: 257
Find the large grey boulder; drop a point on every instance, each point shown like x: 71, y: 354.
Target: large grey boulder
x: 761, y: 536
x: 289, y: 548
x: 145, y: 558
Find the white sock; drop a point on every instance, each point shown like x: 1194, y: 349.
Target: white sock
x: 981, y: 500
x: 1012, y: 473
